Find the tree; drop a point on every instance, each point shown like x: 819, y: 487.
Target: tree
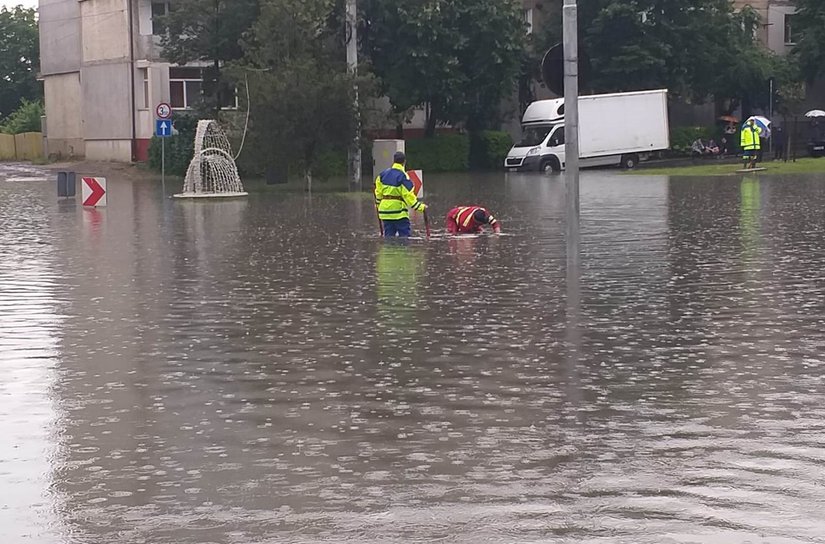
x: 208, y: 31
x: 26, y: 118
x: 19, y: 57
x: 457, y: 58
x: 698, y: 49
x: 809, y: 33
x: 301, y: 93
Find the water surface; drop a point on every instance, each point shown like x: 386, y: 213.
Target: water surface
x: 267, y: 370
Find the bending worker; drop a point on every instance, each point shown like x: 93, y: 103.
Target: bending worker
x: 470, y: 220
x: 393, y: 196
x: 749, y: 139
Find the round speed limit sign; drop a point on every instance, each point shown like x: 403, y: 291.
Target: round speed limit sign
x: 164, y: 110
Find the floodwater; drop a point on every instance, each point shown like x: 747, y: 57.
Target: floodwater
x: 267, y: 370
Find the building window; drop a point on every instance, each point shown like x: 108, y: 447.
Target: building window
x: 144, y: 76
x: 185, y: 87
x: 159, y: 9
x: 528, y: 19
x: 790, y: 37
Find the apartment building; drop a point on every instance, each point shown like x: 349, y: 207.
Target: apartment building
x: 776, y: 29
x: 103, y: 76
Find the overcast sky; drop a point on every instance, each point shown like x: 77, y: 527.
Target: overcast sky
x: 12, y: 3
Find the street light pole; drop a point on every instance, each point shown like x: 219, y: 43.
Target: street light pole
x: 354, y: 154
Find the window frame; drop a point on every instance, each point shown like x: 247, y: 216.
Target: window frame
x: 788, y: 37
x: 184, y: 81
x: 167, y: 7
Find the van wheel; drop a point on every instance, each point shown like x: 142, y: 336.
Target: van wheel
x: 629, y: 162
x: 548, y: 167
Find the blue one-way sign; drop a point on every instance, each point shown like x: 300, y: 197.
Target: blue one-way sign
x: 163, y: 128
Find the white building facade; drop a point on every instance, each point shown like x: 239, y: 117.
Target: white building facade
x: 103, y: 76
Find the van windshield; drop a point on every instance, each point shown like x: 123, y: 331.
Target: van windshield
x: 533, y: 136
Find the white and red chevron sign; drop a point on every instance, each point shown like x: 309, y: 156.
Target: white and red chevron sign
x: 417, y: 177
x: 94, y: 192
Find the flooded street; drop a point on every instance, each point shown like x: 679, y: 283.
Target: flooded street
x: 241, y: 371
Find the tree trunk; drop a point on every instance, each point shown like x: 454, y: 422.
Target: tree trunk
x: 308, y: 176
x: 431, y: 121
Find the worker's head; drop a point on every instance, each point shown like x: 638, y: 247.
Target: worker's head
x: 399, y: 158
x: 751, y: 122
x: 481, y: 216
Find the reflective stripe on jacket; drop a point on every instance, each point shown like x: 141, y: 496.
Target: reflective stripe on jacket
x: 749, y: 138
x: 394, y: 194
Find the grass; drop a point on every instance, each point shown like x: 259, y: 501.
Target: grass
x: 801, y: 166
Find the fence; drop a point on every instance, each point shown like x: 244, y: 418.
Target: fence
x: 21, y: 147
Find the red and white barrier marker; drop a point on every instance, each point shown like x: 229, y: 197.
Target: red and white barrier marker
x: 94, y: 192
x: 417, y: 177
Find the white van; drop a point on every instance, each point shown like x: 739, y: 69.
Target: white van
x: 614, y: 129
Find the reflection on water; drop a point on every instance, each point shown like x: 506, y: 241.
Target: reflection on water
x: 267, y: 370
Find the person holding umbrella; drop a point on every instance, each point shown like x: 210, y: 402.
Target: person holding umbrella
x: 751, y: 145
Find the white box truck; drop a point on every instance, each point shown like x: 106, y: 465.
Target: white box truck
x: 614, y: 129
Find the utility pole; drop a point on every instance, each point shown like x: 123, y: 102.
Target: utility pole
x: 354, y: 157
x: 571, y: 106
x: 573, y: 337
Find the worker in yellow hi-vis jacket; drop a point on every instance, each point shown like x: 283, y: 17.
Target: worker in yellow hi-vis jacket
x: 394, y: 197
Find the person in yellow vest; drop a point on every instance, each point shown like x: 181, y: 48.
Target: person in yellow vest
x: 749, y: 140
x: 394, y: 197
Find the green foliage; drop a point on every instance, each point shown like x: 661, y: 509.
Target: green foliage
x: 459, y: 58
x: 302, y: 96
x: 809, y: 31
x: 179, y: 148
x: 488, y: 149
x: 442, y: 153
x: 19, y: 57
x: 26, y: 118
x: 681, y: 138
x: 697, y: 49
x: 208, y: 31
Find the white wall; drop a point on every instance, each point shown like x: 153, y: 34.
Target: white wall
x: 776, y: 28
x: 64, y: 114
x: 59, y: 36
x: 105, y: 30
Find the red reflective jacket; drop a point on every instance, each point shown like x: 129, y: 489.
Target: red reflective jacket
x: 461, y: 220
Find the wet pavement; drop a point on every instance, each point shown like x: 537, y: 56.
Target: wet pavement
x: 267, y: 370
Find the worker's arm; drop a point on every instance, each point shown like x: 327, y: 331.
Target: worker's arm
x: 452, y: 226
x: 495, y: 224
x: 409, y: 196
x: 379, y: 190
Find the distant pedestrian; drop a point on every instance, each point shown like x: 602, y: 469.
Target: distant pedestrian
x: 751, y: 145
x: 778, y: 144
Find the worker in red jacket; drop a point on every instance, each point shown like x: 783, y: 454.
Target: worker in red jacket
x: 470, y: 220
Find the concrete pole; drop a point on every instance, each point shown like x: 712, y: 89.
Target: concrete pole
x: 352, y: 66
x: 571, y: 105
x: 571, y: 137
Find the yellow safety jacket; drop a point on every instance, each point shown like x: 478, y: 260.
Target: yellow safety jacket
x: 749, y: 139
x: 394, y: 194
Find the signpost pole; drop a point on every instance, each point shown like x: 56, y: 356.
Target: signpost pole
x: 163, y: 165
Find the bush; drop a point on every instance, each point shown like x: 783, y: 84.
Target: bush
x: 681, y: 138
x: 488, y: 149
x: 442, y: 153
x: 26, y: 118
x: 179, y: 148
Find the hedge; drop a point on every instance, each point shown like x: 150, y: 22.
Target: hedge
x: 488, y: 149
x: 682, y: 138
x: 442, y: 153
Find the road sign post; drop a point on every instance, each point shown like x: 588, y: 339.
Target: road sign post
x: 163, y: 130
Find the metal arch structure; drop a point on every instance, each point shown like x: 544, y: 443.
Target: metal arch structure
x: 212, y: 172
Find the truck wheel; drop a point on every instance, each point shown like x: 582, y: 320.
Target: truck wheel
x: 548, y: 167
x: 629, y: 162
